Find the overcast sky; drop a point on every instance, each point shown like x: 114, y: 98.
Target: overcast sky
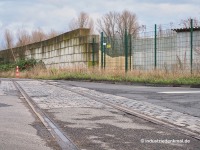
x: 56, y: 14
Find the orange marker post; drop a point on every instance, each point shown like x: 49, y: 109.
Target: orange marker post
x: 17, y: 72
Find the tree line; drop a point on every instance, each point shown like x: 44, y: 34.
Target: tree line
x: 23, y: 37
x: 111, y: 24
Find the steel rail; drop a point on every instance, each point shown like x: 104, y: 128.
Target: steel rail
x: 62, y: 139
x: 136, y: 113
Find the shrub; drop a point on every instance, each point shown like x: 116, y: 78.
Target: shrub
x: 23, y: 64
x: 26, y: 64
x: 7, y: 67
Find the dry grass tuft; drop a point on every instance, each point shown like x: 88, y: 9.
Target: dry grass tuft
x: 80, y: 73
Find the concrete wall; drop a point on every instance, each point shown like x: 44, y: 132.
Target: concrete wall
x: 70, y: 49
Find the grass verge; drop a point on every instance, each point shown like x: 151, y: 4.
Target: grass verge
x: 151, y: 77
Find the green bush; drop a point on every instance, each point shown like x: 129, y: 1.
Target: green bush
x: 26, y: 64
x: 6, y: 67
x: 23, y: 64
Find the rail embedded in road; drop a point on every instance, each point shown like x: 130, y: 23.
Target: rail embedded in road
x: 184, y: 123
x: 95, y: 120
x: 64, y: 142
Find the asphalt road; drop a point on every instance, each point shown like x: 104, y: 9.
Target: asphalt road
x: 91, y: 124
x: 20, y: 129
x: 181, y: 99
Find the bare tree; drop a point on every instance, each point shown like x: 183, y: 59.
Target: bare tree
x: 52, y: 34
x: 114, y: 23
x: 128, y: 20
x: 9, y: 41
x: 187, y: 22
x: 38, y: 35
x: 108, y: 23
x: 160, y: 30
x: 23, y: 37
x: 82, y: 21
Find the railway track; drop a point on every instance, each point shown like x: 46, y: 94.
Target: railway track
x: 61, y: 136
x: 64, y: 141
x: 166, y: 124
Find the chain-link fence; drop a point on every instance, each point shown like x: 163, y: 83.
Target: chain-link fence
x: 172, y: 49
x: 169, y: 49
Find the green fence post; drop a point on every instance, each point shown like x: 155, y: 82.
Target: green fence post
x: 191, y: 45
x: 130, y: 49
x: 155, y: 47
x: 93, y: 52
x: 126, y: 50
x: 102, y: 50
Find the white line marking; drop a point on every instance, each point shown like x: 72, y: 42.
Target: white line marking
x: 180, y: 92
